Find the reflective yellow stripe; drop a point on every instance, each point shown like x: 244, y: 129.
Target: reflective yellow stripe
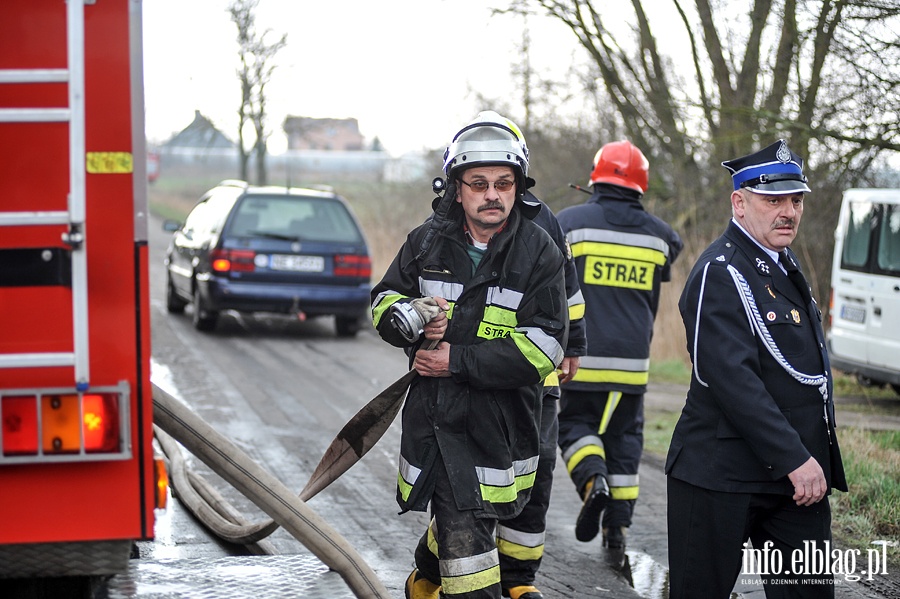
x: 508, y: 493
x: 641, y: 254
x: 583, y: 453
x: 500, y: 316
x: 432, y: 538
x: 552, y: 380
x: 623, y: 377
x: 623, y: 492
x: 576, y: 312
x: 520, y: 552
x: 407, y: 477
x: 534, y: 354
x: 612, y: 402
x: 382, y: 304
x: 405, y: 488
x: 457, y: 585
x: 520, y: 545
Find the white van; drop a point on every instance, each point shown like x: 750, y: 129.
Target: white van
x: 864, y: 337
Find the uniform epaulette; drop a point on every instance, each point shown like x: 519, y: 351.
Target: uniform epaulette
x: 723, y: 254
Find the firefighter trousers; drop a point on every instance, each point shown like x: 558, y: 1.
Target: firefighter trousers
x: 520, y: 540
x: 468, y: 567
x: 602, y: 433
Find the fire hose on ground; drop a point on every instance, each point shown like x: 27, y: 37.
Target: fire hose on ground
x: 284, y: 507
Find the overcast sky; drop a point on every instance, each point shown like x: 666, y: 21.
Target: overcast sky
x: 404, y: 68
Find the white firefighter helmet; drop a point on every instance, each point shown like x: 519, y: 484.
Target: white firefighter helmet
x: 490, y: 139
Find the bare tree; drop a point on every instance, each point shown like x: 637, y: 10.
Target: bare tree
x: 825, y: 74
x: 257, y: 65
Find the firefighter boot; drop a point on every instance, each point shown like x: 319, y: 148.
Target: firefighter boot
x: 614, y: 542
x: 596, y: 496
x: 419, y: 587
x: 523, y: 592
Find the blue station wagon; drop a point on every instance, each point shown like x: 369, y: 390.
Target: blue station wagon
x: 269, y: 249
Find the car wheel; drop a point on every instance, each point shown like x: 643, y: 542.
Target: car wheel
x: 174, y: 304
x: 204, y: 320
x: 347, y: 326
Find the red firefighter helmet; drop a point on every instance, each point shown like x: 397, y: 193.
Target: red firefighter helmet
x: 621, y: 163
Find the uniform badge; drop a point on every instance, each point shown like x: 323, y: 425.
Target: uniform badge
x: 762, y: 266
x: 568, y: 250
x: 796, y: 316
x: 772, y: 293
x: 771, y: 316
x: 783, y: 153
x: 720, y: 258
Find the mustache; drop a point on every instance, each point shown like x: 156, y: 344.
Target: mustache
x: 787, y: 222
x: 491, y: 206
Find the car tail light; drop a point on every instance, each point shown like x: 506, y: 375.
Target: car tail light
x: 66, y: 424
x: 352, y: 265
x: 232, y: 260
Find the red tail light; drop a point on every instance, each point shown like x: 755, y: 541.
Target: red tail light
x: 232, y: 260
x: 20, y: 425
x: 352, y: 265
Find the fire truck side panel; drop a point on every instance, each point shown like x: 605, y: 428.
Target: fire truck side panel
x: 87, y: 497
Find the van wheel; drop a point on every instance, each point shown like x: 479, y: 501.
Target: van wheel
x: 347, y: 327
x: 204, y: 320
x: 174, y: 304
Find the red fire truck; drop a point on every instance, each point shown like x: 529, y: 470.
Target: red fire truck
x: 78, y: 479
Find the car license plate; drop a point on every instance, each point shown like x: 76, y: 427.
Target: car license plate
x: 853, y: 314
x: 297, y: 263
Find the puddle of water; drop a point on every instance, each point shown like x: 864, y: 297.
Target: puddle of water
x: 649, y: 577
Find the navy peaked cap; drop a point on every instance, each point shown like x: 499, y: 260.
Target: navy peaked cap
x: 774, y: 170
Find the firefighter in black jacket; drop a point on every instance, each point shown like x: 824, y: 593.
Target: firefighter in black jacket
x: 622, y: 254
x: 754, y: 453
x: 488, y: 285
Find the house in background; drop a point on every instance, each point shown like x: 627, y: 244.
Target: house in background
x: 329, y: 149
x: 333, y: 135
x: 200, y: 135
x: 199, y: 148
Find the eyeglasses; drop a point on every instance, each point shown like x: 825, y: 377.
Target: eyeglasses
x: 482, y: 186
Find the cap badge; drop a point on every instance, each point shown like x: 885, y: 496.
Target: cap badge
x: 783, y: 154
x: 796, y: 316
x: 771, y: 316
x: 762, y: 266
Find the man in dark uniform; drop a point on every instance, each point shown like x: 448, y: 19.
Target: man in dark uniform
x: 754, y: 454
x: 623, y: 255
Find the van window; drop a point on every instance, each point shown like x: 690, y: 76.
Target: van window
x: 858, y: 237
x: 889, y: 240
